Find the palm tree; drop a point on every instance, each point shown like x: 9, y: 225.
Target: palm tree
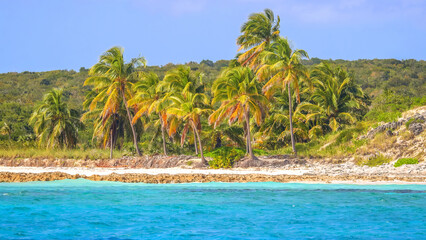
x: 257, y: 33
x: 149, y: 98
x: 112, y: 79
x: 283, y: 67
x: 335, y: 97
x: 54, y: 123
x: 6, y: 129
x: 275, y: 130
x: 237, y: 90
x: 182, y: 79
x: 190, y: 107
x: 177, y: 81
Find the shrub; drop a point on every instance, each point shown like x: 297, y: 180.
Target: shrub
x: 376, y: 160
x: 345, y: 136
x: 225, y: 157
x: 382, y: 116
x: 412, y: 120
x: 403, y: 161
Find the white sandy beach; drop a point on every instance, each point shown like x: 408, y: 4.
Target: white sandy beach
x: 152, y: 171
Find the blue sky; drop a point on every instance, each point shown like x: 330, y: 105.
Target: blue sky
x: 68, y: 34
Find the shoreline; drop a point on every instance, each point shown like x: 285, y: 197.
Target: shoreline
x: 181, y: 175
x: 175, y: 169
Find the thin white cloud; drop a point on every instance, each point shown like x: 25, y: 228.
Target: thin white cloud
x: 345, y: 11
x: 172, y: 7
x: 181, y: 7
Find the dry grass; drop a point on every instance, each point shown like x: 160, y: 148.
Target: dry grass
x: 38, y: 153
x: 339, y: 144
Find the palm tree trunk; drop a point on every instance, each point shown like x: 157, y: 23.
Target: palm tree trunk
x: 135, y: 141
x: 111, y: 144
x: 203, y: 160
x: 163, y: 135
x: 195, y: 142
x: 291, y: 120
x: 245, y: 135
x: 250, y: 150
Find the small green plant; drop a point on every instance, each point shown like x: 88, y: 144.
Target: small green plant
x: 189, y: 163
x: 403, y: 161
x: 412, y: 120
x: 345, y: 136
x: 383, y: 116
x: 225, y: 157
x: 376, y: 161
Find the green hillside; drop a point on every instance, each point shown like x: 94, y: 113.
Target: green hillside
x: 19, y: 92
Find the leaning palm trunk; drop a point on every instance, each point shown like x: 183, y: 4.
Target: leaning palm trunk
x: 250, y: 150
x: 163, y: 136
x: 135, y: 141
x: 291, y: 120
x: 111, y: 139
x: 111, y: 144
x: 195, y: 142
x: 203, y: 160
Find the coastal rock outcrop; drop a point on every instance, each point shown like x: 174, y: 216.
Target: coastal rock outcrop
x: 416, y: 120
x: 187, y: 178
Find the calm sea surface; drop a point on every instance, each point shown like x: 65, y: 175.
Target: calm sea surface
x: 81, y: 209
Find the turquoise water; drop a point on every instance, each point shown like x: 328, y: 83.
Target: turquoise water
x: 81, y: 209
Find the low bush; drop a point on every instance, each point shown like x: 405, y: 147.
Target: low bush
x: 382, y: 116
x: 412, y: 120
x: 225, y: 157
x: 376, y: 161
x: 403, y: 161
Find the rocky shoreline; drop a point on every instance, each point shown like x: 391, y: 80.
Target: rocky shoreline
x: 202, y: 178
x: 176, y: 169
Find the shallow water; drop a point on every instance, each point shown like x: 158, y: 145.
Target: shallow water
x: 82, y: 209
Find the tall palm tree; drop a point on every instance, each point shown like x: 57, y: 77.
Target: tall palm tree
x: 190, y: 107
x: 105, y: 128
x: 112, y: 78
x: 335, y: 97
x: 54, y: 123
x: 283, y: 66
x: 237, y: 90
x: 256, y: 34
x: 148, y: 99
x: 178, y: 81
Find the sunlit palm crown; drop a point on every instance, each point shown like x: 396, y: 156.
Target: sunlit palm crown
x: 237, y: 90
x: 282, y: 65
x: 257, y: 33
x: 149, y: 97
x: 181, y: 79
x: 110, y: 77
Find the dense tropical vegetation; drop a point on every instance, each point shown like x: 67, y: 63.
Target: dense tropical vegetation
x: 54, y: 123
x: 273, y: 97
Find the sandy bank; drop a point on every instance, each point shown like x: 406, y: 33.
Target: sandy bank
x: 153, y: 171
x: 175, y: 169
x: 176, y: 175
